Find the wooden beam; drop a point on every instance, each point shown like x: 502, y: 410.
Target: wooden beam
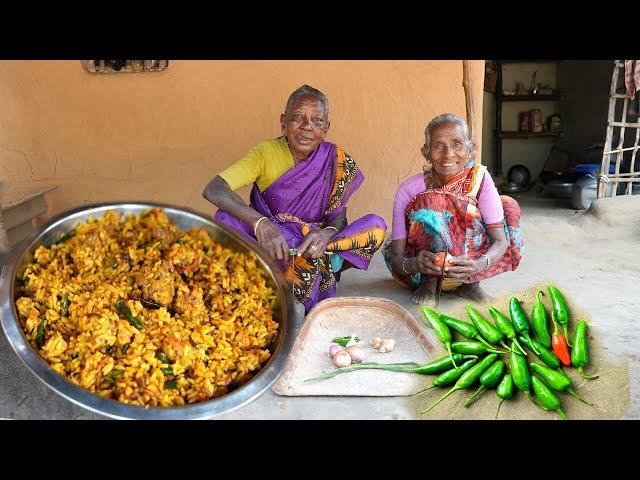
x: 467, y: 84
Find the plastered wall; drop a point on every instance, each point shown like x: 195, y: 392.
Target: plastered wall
x: 162, y: 136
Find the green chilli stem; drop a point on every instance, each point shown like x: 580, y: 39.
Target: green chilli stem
x: 539, y: 405
x: 585, y: 376
x: 423, y: 390
x: 561, y: 413
x: 441, y: 399
x: 482, y: 340
x: 566, y: 333
x: 448, y: 345
x: 505, y: 346
x: 533, y: 347
x: 571, y: 391
x: 475, y: 396
x: 515, y: 340
x: 491, y: 350
x: 499, y: 405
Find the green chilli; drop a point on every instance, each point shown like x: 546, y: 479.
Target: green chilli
x: 472, y: 348
x: 489, y: 379
x: 504, y: 325
x: 440, y: 329
x: 548, y: 400
x: 115, y: 373
x: 519, y: 319
x: 64, y: 311
x: 40, y: 332
x: 163, y: 357
x: 504, y: 390
x: 464, y: 328
x: 556, y: 380
x: 122, y: 308
x: 450, y: 376
x: 468, y: 378
x: 540, y: 321
x: 560, y: 312
x: 171, y: 385
x: 580, y: 351
x: 544, y: 354
x: 520, y: 373
x: 490, y: 333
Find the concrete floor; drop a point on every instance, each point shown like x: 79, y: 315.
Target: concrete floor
x: 23, y: 396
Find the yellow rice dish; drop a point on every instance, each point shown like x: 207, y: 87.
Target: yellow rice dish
x: 133, y: 309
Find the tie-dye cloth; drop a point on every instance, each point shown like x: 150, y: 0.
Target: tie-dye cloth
x: 448, y: 217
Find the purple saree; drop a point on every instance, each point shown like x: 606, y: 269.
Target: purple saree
x: 306, y: 198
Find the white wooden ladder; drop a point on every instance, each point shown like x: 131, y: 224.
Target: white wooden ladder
x: 618, y: 177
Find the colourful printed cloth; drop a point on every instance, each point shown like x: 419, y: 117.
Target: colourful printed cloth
x: 632, y: 77
x: 306, y: 198
x: 632, y: 84
x: 448, y: 217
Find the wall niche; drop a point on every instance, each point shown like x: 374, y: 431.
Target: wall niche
x: 125, y: 66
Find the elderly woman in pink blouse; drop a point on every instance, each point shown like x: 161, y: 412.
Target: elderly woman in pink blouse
x: 454, y: 207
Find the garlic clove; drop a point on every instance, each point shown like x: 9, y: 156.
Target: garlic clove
x: 388, y: 344
x: 376, y: 342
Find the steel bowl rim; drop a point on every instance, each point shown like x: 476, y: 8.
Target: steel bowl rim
x: 112, y: 408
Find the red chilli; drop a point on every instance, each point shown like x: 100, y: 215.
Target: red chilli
x: 560, y: 348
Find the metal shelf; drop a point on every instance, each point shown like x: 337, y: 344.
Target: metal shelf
x: 499, y: 136
x: 508, y: 134
x: 528, y: 98
x: 528, y: 61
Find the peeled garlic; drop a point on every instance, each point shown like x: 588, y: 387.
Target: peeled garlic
x: 342, y: 359
x: 376, y: 342
x: 388, y: 344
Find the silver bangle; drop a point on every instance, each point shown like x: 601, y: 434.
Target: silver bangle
x: 255, y: 227
x: 404, y: 268
x: 331, y: 226
x: 488, y: 261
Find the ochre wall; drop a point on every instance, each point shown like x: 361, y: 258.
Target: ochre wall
x: 162, y: 136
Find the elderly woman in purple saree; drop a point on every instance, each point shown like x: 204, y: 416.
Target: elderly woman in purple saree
x: 306, y: 184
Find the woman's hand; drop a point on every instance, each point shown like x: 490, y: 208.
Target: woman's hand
x: 271, y: 239
x: 463, y: 268
x: 315, y: 243
x: 427, y: 263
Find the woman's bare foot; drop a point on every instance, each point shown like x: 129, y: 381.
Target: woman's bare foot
x: 425, y: 294
x: 473, y: 292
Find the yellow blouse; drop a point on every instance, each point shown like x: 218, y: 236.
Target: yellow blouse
x: 263, y: 164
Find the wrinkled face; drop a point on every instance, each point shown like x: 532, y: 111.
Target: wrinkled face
x: 305, y: 126
x: 448, y: 153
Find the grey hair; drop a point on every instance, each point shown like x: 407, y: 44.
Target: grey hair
x: 440, y: 120
x: 295, y: 97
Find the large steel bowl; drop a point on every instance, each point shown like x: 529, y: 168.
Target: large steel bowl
x: 184, y: 220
